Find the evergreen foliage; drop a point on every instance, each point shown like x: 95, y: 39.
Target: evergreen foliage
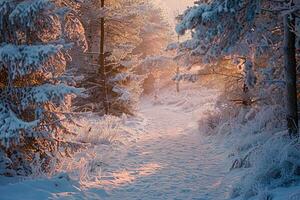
x: 35, y: 36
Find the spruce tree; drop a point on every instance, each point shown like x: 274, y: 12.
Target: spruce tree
x: 110, y: 68
x: 35, y: 36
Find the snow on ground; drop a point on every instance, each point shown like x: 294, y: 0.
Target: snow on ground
x: 161, y: 154
x: 172, y: 160
x: 165, y: 159
x: 290, y: 193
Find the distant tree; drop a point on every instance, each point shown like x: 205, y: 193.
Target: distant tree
x: 35, y: 36
x: 117, y: 89
x: 155, y: 35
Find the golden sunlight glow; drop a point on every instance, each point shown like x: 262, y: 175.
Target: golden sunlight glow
x: 125, y: 177
x: 173, y: 7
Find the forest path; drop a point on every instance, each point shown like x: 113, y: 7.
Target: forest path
x: 167, y: 158
x: 172, y: 160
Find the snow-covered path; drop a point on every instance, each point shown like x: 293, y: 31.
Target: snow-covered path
x: 172, y: 160
x: 168, y: 159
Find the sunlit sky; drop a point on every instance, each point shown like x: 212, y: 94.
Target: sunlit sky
x: 174, y: 7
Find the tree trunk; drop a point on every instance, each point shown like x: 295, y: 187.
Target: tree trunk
x: 178, y: 70
x: 177, y: 82
x: 290, y: 75
x: 102, y: 67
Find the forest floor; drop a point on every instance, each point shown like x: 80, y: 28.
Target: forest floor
x: 172, y: 159
x: 168, y: 159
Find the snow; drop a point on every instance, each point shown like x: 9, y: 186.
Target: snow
x: 10, y: 124
x: 165, y: 158
x: 169, y: 161
x: 160, y: 154
x: 28, y: 10
x: 290, y: 193
x: 58, y: 187
x: 32, y: 58
x: 48, y: 92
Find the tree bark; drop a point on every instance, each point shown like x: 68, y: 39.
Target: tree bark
x: 290, y: 75
x: 102, y: 67
x: 178, y: 70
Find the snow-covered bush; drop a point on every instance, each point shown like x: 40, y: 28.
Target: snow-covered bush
x: 106, y: 130
x: 261, y: 148
x: 252, y: 123
x: 274, y: 162
x: 103, y: 137
x: 33, y: 56
x: 209, y: 122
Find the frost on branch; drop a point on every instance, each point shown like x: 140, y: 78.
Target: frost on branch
x: 208, y: 22
x: 186, y: 77
x: 21, y: 60
x: 32, y: 93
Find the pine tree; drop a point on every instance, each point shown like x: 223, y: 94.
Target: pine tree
x: 35, y: 36
x: 117, y: 88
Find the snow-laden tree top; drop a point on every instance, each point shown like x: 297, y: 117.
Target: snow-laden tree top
x: 217, y: 26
